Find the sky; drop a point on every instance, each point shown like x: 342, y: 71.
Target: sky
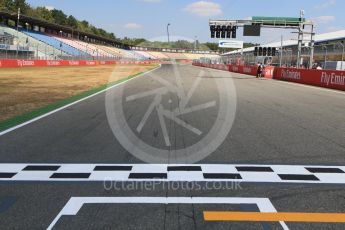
x: 189, y: 18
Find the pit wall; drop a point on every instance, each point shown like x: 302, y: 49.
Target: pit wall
x: 331, y: 79
x: 17, y: 63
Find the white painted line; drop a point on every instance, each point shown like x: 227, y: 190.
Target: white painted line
x: 153, y: 168
x: 219, y: 168
x: 12, y: 167
x: 75, y: 168
x: 260, y: 177
x: 340, y: 178
x: 109, y: 176
x: 73, y: 103
x: 286, y: 169
x: 34, y: 175
x: 307, y: 174
x: 75, y: 203
x: 181, y: 176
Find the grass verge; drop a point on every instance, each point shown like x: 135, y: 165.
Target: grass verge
x: 17, y: 120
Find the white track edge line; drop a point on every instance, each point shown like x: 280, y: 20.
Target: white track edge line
x: 73, y: 103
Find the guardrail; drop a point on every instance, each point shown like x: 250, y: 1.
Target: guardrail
x: 332, y: 79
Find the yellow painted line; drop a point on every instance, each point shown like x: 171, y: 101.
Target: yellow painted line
x: 275, y: 216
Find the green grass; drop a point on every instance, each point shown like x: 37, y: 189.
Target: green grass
x: 11, y: 122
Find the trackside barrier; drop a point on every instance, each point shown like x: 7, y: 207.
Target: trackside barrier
x: 15, y: 63
x: 185, y: 61
x: 250, y: 70
x: 332, y: 79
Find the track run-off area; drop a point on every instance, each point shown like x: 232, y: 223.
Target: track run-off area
x: 180, y: 147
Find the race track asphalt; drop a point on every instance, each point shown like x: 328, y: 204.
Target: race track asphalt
x: 274, y: 123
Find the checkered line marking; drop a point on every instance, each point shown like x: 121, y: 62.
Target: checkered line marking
x: 176, y: 172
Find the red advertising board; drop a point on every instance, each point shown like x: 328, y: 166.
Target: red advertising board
x: 252, y: 70
x: 332, y: 79
x: 249, y: 70
x: 268, y: 71
x: 15, y: 63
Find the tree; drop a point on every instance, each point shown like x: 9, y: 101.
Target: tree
x: 94, y: 30
x: 85, y: 23
x: 72, y: 22
x: 43, y: 13
x: 212, y: 45
x: 182, y: 44
x: 102, y: 33
x: 59, y: 17
x: 139, y: 41
x: 24, y: 7
x: 112, y: 36
x: 7, y: 5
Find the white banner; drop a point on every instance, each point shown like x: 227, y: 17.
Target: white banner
x: 231, y: 44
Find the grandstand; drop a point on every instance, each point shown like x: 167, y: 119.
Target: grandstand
x: 96, y: 52
x: 145, y: 54
x: 157, y: 55
x: 39, y: 49
x: 52, y: 46
x: 55, y: 43
x: 38, y: 39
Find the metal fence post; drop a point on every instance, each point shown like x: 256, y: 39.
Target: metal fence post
x: 326, y: 53
x: 342, y: 54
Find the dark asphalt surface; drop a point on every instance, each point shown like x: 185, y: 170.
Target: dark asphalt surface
x: 275, y: 123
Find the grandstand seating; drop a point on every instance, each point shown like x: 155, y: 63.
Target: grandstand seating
x: 93, y: 50
x: 71, y: 43
x: 135, y: 55
x: 176, y: 55
x: 109, y: 50
x: 6, y: 38
x: 121, y: 53
x: 157, y: 55
x: 192, y: 56
x: 45, y: 51
x: 100, y: 51
x: 48, y: 46
x: 56, y: 44
x: 145, y: 54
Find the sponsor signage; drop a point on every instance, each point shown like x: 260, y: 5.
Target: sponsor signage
x: 236, y: 44
x: 13, y: 63
x: 290, y: 74
x: 332, y: 79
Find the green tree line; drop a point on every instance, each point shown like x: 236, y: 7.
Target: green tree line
x: 54, y: 16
